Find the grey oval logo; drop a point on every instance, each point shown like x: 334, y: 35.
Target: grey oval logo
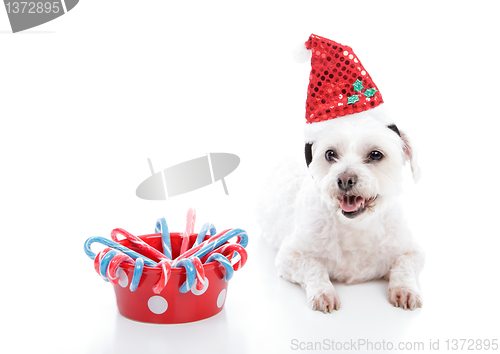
x: 188, y: 176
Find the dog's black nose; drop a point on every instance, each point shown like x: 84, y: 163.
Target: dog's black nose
x: 346, y: 181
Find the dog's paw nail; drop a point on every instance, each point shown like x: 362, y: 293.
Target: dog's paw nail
x: 406, y: 298
x: 325, y: 302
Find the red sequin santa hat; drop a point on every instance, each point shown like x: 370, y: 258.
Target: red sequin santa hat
x: 339, y: 85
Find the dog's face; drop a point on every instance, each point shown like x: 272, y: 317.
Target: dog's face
x: 357, y: 164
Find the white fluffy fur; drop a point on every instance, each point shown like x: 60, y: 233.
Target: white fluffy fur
x: 301, y: 215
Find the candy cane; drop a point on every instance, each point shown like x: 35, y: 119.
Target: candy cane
x: 114, y: 264
x: 224, y: 262
x: 190, y: 275
x: 110, y: 270
x: 190, y: 221
x: 200, y: 273
x: 139, y: 243
x: 97, y: 259
x: 105, y: 260
x: 165, y: 267
x: 229, y: 250
x: 193, y: 250
x: 164, y: 264
x: 136, y: 278
x: 116, y: 246
x: 209, y: 245
x: 201, y: 235
x: 161, y: 227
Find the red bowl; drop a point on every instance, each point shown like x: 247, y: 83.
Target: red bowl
x: 170, y: 306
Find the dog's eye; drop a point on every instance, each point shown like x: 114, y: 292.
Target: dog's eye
x: 375, y: 155
x: 330, y: 155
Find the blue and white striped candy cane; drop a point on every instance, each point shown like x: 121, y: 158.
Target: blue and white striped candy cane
x: 190, y: 274
x: 210, y: 246
x: 116, y: 246
x: 136, y: 278
x: 224, y: 262
x: 104, y: 263
x: 105, y: 259
x: 204, y: 229
x: 161, y: 227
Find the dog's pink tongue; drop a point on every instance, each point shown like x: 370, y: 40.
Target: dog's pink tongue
x: 350, y: 203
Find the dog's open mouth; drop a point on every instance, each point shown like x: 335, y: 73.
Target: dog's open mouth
x: 353, y: 205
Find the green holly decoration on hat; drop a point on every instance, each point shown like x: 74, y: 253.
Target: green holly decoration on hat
x: 358, y: 87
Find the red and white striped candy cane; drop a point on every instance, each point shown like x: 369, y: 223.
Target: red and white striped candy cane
x: 166, y: 270
x: 192, y: 251
x: 143, y: 246
x: 200, y: 273
x: 229, y: 250
x: 98, y: 258
x: 190, y: 221
x: 114, y: 264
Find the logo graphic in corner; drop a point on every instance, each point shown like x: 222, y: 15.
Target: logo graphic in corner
x: 29, y: 14
x: 188, y: 176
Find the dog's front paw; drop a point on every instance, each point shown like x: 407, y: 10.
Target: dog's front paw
x: 406, y: 298
x: 325, y: 300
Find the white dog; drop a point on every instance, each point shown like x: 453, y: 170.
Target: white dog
x: 339, y: 217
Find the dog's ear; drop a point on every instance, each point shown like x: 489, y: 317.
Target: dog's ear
x: 409, y: 151
x: 394, y: 129
x: 308, y: 153
x: 411, y: 156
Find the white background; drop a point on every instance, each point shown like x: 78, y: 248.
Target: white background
x: 86, y: 98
